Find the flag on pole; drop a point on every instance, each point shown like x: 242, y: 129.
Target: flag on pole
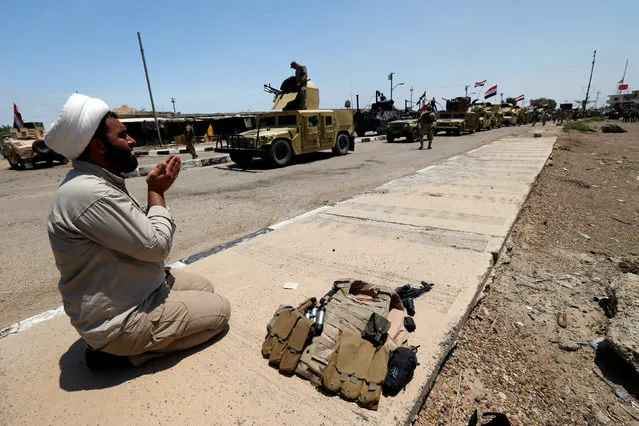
x: 480, y: 83
x: 492, y: 91
x: 425, y: 107
x: 623, y: 86
x: 17, y: 118
x: 519, y: 98
x: 421, y: 98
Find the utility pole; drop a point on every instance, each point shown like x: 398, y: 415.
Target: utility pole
x: 390, y: 77
x: 411, y: 96
x: 148, y: 83
x: 173, y: 102
x: 590, y: 80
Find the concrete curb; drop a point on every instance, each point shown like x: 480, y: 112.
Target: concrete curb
x: 187, y: 164
x: 159, y: 152
x: 371, y: 139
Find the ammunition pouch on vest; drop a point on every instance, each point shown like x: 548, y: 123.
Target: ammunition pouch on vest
x: 287, y: 334
x: 357, y: 370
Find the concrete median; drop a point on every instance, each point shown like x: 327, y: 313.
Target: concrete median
x: 444, y: 224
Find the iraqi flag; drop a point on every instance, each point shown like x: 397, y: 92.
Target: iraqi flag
x: 492, y: 91
x: 480, y: 83
x: 519, y: 98
x: 425, y: 107
x: 623, y: 87
x: 17, y: 118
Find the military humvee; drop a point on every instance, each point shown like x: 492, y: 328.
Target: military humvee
x: 510, y: 115
x: 280, y: 135
x: 498, y: 115
x: 456, y: 119
x: 486, y: 115
x: 377, y: 118
x: 25, y: 147
x: 407, y: 127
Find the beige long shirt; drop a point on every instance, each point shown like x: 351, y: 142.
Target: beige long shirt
x: 109, y: 252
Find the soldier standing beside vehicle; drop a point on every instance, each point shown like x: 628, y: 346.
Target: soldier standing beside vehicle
x: 301, y: 78
x: 426, y: 128
x: 189, y: 136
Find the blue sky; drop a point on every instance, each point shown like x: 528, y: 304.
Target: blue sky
x: 214, y: 56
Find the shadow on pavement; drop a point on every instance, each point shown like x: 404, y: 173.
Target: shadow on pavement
x: 260, y: 164
x: 76, y: 376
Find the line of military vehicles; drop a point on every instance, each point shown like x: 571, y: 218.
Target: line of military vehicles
x: 296, y: 125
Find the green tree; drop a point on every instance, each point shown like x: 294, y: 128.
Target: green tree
x: 544, y: 102
x: 510, y: 101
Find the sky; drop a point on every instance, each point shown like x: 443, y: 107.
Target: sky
x: 215, y: 56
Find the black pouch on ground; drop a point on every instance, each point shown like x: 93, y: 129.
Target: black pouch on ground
x: 401, y: 367
x: 499, y: 419
x: 409, y: 324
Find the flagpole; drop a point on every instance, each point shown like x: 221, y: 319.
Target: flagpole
x: 624, y: 76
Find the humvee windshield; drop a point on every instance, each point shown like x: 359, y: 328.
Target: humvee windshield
x: 458, y: 115
x: 443, y: 115
x: 284, y: 120
x: 267, y: 122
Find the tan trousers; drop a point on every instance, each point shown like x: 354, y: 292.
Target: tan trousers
x: 177, y: 316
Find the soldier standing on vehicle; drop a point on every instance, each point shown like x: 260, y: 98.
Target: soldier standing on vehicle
x: 189, y: 136
x: 301, y: 78
x: 426, y: 128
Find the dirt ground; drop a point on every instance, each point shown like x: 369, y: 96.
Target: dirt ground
x: 525, y: 350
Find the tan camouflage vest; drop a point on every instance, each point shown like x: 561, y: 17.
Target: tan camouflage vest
x: 347, y: 312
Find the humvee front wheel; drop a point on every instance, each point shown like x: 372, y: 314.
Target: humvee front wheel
x: 280, y: 153
x: 460, y: 130
x: 341, y: 145
x: 414, y: 136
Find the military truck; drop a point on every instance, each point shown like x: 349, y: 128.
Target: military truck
x: 407, y: 127
x: 281, y: 135
x: 456, y: 119
x: 25, y: 147
x: 510, y: 115
x: 375, y: 119
x: 485, y: 114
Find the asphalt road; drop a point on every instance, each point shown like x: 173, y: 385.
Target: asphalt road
x: 211, y: 205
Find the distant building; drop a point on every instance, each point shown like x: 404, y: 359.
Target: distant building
x: 624, y: 98
x: 125, y: 110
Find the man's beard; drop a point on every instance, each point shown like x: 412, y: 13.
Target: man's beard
x: 120, y: 157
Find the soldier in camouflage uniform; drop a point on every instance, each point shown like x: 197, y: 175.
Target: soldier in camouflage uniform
x: 426, y: 127
x: 301, y: 78
x: 189, y: 136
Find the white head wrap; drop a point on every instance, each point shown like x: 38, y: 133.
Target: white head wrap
x: 78, y: 121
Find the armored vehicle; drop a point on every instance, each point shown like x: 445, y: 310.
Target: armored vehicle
x: 376, y: 119
x: 510, y: 115
x: 407, y: 128
x: 486, y: 115
x: 280, y: 135
x: 457, y: 119
x: 25, y: 147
